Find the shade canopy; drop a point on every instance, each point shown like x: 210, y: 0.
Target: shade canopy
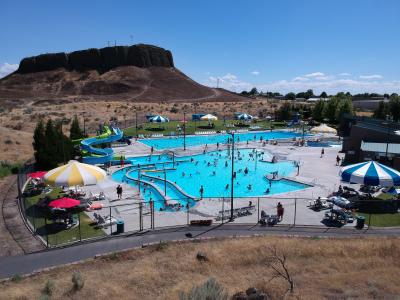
x: 245, y: 117
x: 64, y: 203
x: 38, y: 174
x: 159, y: 119
x: 370, y: 173
x: 323, y: 128
x: 209, y: 117
x: 74, y: 173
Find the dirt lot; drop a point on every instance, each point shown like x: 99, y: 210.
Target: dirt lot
x: 321, y: 268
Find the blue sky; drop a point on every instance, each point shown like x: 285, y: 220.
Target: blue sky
x: 273, y: 45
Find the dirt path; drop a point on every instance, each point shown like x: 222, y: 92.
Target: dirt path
x: 15, y: 238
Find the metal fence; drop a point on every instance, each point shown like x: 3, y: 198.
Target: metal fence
x: 136, y: 215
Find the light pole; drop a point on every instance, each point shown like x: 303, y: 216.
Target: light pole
x: 387, y: 123
x: 232, y: 173
x: 84, y: 124
x: 136, y: 124
x: 184, y: 131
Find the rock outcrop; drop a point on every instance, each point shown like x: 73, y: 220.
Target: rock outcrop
x: 102, y: 60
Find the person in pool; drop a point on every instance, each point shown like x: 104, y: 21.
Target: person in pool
x: 227, y: 186
x: 249, y: 187
x: 201, y: 192
x: 267, y: 191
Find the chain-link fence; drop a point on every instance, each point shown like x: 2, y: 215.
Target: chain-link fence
x: 105, y: 218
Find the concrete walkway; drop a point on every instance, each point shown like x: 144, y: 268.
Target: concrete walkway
x: 26, y: 264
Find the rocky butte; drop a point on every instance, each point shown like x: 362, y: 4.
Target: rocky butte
x: 102, y: 60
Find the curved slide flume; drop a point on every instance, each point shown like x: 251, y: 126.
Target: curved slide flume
x: 99, y: 155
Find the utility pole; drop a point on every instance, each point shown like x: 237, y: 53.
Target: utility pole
x: 136, y: 124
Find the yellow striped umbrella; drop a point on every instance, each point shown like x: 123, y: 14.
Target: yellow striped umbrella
x: 323, y: 128
x: 74, y: 173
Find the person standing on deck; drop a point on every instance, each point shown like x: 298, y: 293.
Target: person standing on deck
x: 201, y: 192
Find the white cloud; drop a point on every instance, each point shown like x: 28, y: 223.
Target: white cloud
x: 374, y: 76
x: 300, y: 78
x: 7, y: 68
x: 318, y: 83
x: 255, y: 73
x: 315, y: 74
x: 344, y: 74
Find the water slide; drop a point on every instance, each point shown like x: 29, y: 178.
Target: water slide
x: 99, y: 155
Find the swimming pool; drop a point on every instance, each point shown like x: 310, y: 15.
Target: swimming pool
x: 212, y: 170
x: 325, y: 144
x: 177, y: 142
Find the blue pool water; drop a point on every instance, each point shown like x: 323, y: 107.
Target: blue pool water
x: 213, y: 171
x: 177, y: 142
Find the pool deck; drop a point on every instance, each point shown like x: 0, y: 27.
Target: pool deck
x: 321, y: 173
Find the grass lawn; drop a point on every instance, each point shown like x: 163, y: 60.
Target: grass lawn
x: 385, y: 196
x: 192, y: 126
x: 382, y: 220
x: 63, y: 236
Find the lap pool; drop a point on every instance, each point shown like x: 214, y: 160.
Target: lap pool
x: 212, y: 170
x: 177, y: 142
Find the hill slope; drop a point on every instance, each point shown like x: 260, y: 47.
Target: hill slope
x: 139, y: 73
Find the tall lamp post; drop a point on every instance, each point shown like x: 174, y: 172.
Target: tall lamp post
x: 184, y: 131
x: 136, y: 124
x: 232, y: 173
x: 387, y: 123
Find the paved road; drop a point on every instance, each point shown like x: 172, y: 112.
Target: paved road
x: 25, y: 264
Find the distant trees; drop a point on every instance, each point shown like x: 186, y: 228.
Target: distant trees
x: 285, y: 111
x: 389, y: 109
x: 333, y: 109
x: 323, y: 95
x: 290, y: 96
x: 50, y: 145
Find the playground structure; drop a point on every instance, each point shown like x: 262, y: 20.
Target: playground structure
x: 100, y: 155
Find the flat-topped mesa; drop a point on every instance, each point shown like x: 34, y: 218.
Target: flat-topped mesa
x: 102, y: 60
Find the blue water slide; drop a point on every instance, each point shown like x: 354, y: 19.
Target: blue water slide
x: 98, y: 155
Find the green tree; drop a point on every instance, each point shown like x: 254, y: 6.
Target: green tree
x: 318, y: 111
x: 330, y: 109
x: 394, y: 106
x: 323, y: 95
x: 290, y: 96
x: 344, y: 106
x: 253, y: 91
x: 75, y: 131
x: 285, y: 111
x: 39, y: 143
x: 309, y: 94
x: 381, y: 111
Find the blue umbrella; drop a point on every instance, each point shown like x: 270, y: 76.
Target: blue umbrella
x: 370, y: 173
x: 159, y: 119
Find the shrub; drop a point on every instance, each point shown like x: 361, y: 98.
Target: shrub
x: 48, y: 288
x: 16, y: 278
x: 77, y: 281
x: 174, y: 110
x: 211, y: 289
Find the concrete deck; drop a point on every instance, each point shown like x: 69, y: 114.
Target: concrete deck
x: 321, y: 173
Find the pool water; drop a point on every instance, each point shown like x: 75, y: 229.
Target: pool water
x: 212, y: 170
x: 177, y: 142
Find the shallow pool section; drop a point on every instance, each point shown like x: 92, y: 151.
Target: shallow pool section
x: 177, y: 142
x: 213, y: 171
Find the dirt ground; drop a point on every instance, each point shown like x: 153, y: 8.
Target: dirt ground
x: 321, y: 269
x: 17, y: 124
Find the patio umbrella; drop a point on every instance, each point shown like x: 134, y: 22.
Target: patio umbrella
x: 209, y: 117
x: 370, y: 173
x: 64, y: 203
x: 245, y: 117
x: 73, y: 174
x: 159, y: 119
x: 38, y: 174
x: 323, y: 128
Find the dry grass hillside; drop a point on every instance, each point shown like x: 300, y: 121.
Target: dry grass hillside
x: 321, y: 269
x: 18, y: 122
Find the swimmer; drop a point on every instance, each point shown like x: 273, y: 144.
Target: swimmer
x: 227, y: 187
x: 267, y: 191
x: 183, y: 174
x: 226, y: 164
x: 214, y: 173
x: 249, y: 187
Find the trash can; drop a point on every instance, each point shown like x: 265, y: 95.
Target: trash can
x: 360, y: 222
x: 120, y: 226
